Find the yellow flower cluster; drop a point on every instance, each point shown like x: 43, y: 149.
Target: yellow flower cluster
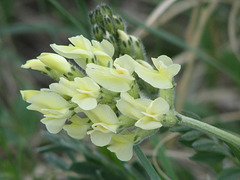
x: 97, y: 98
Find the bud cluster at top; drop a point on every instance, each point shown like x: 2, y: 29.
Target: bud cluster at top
x: 100, y: 97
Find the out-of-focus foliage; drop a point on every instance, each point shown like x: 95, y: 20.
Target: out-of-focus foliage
x: 203, y: 37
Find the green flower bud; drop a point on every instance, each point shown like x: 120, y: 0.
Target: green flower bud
x: 113, y: 41
x: 125, y: 43
x: 92, y: 17
x: 109, y: 24
x: 98, y: 32
x: 105, y: 10
x: 98, y: 16
x: 119, y: 24
x: 138, y: 48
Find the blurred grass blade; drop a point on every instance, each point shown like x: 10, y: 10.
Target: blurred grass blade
x: 146, y: 164
x: 82, y: 8
x: 30, y: 28
x: 70, y: 18
x: 165, y: 161
x: 175, y: 40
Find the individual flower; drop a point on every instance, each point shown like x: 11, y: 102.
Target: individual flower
x: 103, y: 51
x: 80, y: 51
x: 55, y: 109
x: 83, y: 91
x: 118, y: 79
x: 83, y: 52
x: 105, y: 124
x: 55, y: 62
x: 122, y: 146
x: 162, y: 77
x: 148, y: 114
x: 26, y: 94
x: 35, y: 64
x: 77, y: 127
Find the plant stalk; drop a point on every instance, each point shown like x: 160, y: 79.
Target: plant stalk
x: 209, y: 129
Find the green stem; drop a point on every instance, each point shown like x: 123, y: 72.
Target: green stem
x: 209, y: 129
x: 146, y: 164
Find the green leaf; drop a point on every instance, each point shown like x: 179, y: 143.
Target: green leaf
x: 203, y: 144
x: 191, y: 135
x: 208, y: 157
x: 180, y: 129
x: 86, y: 168
x: 229, y: 174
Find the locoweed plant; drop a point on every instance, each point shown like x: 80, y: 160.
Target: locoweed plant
x: 107, y: 90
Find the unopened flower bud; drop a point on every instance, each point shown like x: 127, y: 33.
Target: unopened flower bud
x: 113, y: 41
x: 125, y: 43
x: 109, y: 24
x: 91, y: 16
x: 98, y: 16
x: 98, y: 32
x: 105, y: 10
x: 119, y: 24
x: 138, y: 48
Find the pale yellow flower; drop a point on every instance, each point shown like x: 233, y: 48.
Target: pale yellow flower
x: 83, y: 91
x: 55, y: 62
x: 80, y: 51
x: 162, y: 77
x: 55, y: 109
x: 148, y: 114
x: 77, y: 127
x: 83, y: 52
x: 118, y: 79
x: 122, y: 146
x: 105, y: 124
x: 35, y: 64
x: 26, y: 94
x: 103, y: 51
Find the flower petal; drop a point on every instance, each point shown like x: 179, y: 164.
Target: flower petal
x: 158, y: 106
x: 148, y: 123
x: 84, y: 102
x: 153, y: 77
x: 173, y: 69
x: 53, y: 125
x: 55, y: 62
x: 49, y: 100
x: 100, y: 139
x: 81, y: 42
x: 26, y: 94
x: 126, y: 62
x: 107, y: 47
x: 124, y: 152
x: 102, y: 113
x: 110, y: 81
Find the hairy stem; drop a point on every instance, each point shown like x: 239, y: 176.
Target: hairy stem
x: 209, y: 129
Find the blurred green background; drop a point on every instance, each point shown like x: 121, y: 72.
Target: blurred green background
x: 201, y: 35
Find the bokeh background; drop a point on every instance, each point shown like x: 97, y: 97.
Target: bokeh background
x: 201, y: 35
